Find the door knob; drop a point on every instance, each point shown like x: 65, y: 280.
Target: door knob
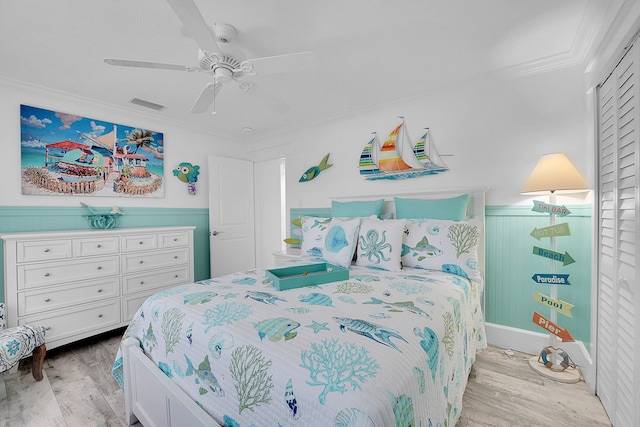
x: 215, y: 233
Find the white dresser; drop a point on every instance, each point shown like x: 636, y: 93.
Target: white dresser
x: 81, y: 283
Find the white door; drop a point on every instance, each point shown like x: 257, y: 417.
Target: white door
x: 231, y: 215
x: 618, y: 339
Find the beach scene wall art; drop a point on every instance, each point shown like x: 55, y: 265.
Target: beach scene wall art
x: 67, y: 154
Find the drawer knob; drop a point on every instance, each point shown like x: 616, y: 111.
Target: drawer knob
x: 47, y: 300
x: 99, y: 315
x: 99, y: 290
x: 142, y: 282
x: 141, y: 262
x: 47, y: 274
x: 141, y: 242
x: 175, y: 239
x: 176, y: 276
x: 99, y: 246
x: 47, y: 250
x: 99, y: 267
x: 47, y: 328
x: 175, y: 257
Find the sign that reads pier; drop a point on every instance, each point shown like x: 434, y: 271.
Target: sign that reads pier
x: 548, y: 325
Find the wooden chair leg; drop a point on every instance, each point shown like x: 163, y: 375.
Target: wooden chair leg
x: 37, y: 362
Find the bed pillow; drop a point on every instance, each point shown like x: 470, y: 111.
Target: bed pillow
x: 380, y: 244
x: 454, y: 208
x: 340, y: 241
x: 314, y: 230
x: 450, y: 246
x: 359, y: 208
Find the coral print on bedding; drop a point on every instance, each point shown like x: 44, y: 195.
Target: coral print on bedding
x: 437, y: 244
x: 383, y: 348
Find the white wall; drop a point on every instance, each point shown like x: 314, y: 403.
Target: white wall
x: 496, y: 127
x: 181, y: 145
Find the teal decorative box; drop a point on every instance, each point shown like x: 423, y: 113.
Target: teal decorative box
x: 306, y: 275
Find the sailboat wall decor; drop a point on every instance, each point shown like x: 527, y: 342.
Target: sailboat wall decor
x: 397, y: 159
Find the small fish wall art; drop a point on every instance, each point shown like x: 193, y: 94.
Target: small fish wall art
x: 314, y: 171
x: 186, y: 172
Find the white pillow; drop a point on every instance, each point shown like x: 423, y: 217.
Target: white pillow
x: 314, y: 230
x: 380, y: 244
x: 340, y: 241
x: 445, y: 245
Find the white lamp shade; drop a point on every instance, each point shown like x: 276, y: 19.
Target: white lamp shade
x: 554, y: 172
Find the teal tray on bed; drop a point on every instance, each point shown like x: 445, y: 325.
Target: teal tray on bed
x: 306, y: 275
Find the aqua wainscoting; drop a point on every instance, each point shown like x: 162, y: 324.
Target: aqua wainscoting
x: 510, y: 265
x: 39, y: 218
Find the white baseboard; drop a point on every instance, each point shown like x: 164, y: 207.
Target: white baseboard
x: 533, y: 342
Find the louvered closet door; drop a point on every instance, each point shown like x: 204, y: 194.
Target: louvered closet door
x: 618, y: 346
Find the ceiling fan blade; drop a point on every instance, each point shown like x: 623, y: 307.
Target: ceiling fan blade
x: 192, y: 19
x: 288, y: 63
x: 267, y: 99
x: 144, y: 64
x: 206, y: 97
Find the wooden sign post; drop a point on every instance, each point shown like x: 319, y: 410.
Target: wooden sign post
x: 553, y: 368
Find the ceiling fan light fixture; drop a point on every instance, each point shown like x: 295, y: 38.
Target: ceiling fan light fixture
x: 222, y: 75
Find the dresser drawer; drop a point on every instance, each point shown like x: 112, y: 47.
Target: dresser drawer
x: 43, y: 250
x: 49, y: 273
x: 51, y: 298
x: 139, y: 242
x: 107, y: 245
x: 68, y: 323
x: 141, y: 282
x: 132, y: 263
x: 178, y: 238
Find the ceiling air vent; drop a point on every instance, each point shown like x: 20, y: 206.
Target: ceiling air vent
x: 147, y: 104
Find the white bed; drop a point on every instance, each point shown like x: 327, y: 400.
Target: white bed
x: 417, y: 331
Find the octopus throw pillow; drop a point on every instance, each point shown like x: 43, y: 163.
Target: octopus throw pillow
x: 380, y: 244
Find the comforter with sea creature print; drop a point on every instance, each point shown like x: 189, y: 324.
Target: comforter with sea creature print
x: 379, y: 349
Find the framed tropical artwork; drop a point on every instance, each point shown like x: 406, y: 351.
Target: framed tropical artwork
x: 66, y: 154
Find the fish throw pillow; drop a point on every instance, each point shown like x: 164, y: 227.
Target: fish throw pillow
x: 340, y: 241
x: 314, y: 230
x: 445, y: 245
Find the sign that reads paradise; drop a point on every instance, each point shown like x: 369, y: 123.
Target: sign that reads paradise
x: 543, y: 207
x: 565, y: 258
x: 551, y: 231
x: 548, y: 325
x: 551, y: 279
x: 560, y: 306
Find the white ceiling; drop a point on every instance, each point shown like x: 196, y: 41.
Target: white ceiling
x: 368, y: 52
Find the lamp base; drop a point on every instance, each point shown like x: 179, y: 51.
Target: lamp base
x: 568, y: 376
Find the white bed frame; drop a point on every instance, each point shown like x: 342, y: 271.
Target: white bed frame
x: 155, y: 401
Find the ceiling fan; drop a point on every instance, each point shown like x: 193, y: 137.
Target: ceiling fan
x: 223, y: 61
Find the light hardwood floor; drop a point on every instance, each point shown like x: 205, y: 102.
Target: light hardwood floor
x: 78, y: 390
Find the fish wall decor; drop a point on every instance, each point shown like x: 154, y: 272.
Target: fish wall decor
x: 186, y: 172
x: 314, y: 171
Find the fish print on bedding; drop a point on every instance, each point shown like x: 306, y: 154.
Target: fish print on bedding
x: 379, y: 349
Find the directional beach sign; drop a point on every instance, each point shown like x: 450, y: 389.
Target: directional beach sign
x: 551, y: 231
x: 560, y: 306
x: 543, y: 207
x: 556, y: 330
x: 551, y: 279
x: 565, y: 258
